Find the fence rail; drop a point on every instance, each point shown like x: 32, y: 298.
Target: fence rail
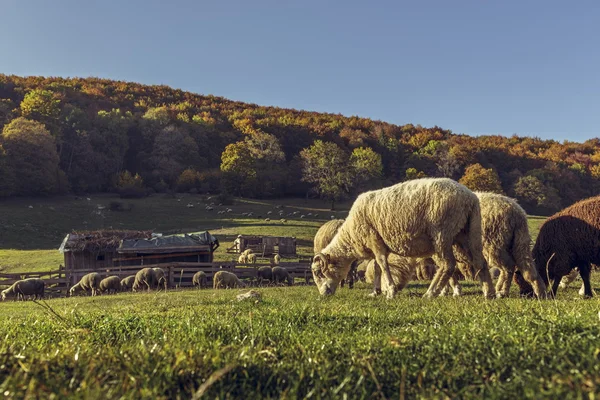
x: 179, y: 274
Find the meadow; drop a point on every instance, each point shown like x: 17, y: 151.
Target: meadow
x: 293, y: 343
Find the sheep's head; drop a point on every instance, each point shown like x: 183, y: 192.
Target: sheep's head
x: 327, y: 273
x: 3, y: 294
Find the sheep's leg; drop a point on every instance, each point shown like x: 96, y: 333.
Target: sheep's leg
x: 584, y: 271
x: 567, y: 279
x: 455, y: 285
x: 446, y: 262
x: 376, y: 280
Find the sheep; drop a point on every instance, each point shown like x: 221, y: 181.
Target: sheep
x: 275, y: 260
x: 324, y: 236
x: 127, y: 283
x: 269, y: 212
x: 161, y: 278
x: 112, y: 283
x: 242, y: 259
x: 281, y: 275
x: 247, y: 252
x: 89, y: 282
x: 252, y: 258
x: 568, y: 239
x: 419, y: 218
x: 283, y: 220
x: 200, y: 279
x: 506, y: 243
x: 264, y: 274
x: 145, y: 278
x: 227, y: 280
x: 267, y: 219
x: 26, y: 287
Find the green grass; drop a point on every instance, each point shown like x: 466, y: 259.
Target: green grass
x: 295, y: 344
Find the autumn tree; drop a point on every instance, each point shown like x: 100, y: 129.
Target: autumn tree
x: 31, y: 154
x: 481, y: 179
x: 413, y: 173
x: 174, y: 150
x: 325, y: 165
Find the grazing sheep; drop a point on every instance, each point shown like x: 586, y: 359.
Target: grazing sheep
x: 264, y: 274
x: 89, y: 282
x: 26, y: 287
x: 568, y: 239
x: 110, y: 284
x: 252, y: 258
x: 419, y: 218
x: 242, y: 259
x: 127, y: 283
x: 145, y: 279
x: 227, y: 280
x: 161, y: 278
x: 324, y: 236
x: 281, y: 275
x: 200, y: 280
x: 506, y: 243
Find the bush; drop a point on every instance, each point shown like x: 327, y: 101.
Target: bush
x: 225, y: 198
x: 188, y: 180
x: 119, y: 206
x: 161, y: 187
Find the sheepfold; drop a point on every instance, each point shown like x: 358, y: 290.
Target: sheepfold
x: 295, y: 344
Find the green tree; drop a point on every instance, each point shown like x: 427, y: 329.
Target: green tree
x: 31, y: 154
x: 174, y: 151
x: 481, y: 179
x: 367, y: 168
x: 325, y: 165
x: 41, y: 105
x: 535, y: 195
x: 6, y: 174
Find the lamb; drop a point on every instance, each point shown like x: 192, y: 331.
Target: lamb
x: 264, y: 274
x: 89, y: 282
x: 226, y: 280
x: 281, y: 275
x: 112, y: 283
x: 161, y: 278
x: 26, y: 287
x: 419, y: 218
x: 242, y: 259
x: 252, y: 258
x: 200, y: 280
x: 568, y: 239
x: 127, y: 283
x: 145, y: 279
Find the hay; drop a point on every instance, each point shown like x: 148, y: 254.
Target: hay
x: 102, y: 240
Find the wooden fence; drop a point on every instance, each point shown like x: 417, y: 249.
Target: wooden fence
x: 179, y: 274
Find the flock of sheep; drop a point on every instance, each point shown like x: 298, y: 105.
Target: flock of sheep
x: 430, y: 228
x: 438, y: 223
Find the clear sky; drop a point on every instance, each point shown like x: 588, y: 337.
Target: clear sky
x: 529, y: 67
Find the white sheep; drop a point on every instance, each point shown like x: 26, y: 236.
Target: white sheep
x: 226, y: 280
x: 199, y: 279
x: 242, y: 259
x: 419, y: 218
x: 127, y: 283
x: 269, y: 212
x: 161, y: 278
x: 89, y: 282
x: 252, y: 258
x: 145, y: 279
x: 26, y: 287
x: 110, y: 284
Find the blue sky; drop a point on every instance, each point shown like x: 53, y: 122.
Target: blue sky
x: 476, y: 67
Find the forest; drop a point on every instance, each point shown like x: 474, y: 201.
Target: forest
x: 90, y: 135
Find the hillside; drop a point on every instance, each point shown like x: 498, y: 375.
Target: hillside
x: 96, y: 135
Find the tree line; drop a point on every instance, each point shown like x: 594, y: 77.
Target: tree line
x: 96, y: 135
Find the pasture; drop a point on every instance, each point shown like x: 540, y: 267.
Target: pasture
x: 292, y: 344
